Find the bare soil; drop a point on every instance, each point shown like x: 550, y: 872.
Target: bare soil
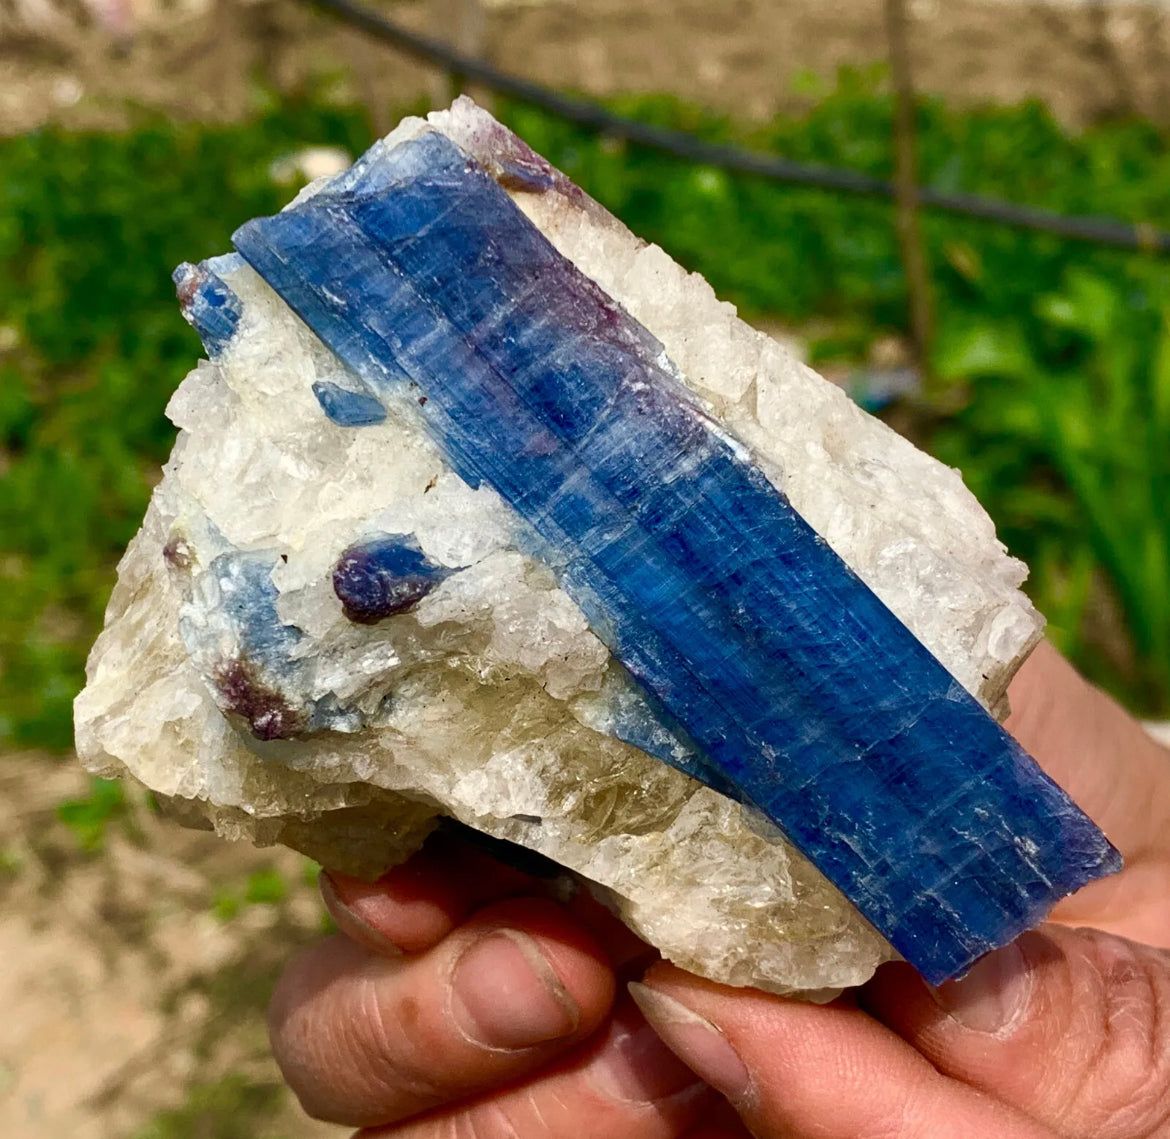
x: 89, y: 62
x: 135, y: 977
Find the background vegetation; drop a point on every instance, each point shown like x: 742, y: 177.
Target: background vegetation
x: 1056, y: 355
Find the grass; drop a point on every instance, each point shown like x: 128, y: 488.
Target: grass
x: 265, y: 887
x: 88, y: 817
x: 90, y: 228
x: 1057, y: 353
x: 231, y: 1108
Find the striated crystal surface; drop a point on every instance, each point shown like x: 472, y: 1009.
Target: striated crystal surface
x: 548, y: 511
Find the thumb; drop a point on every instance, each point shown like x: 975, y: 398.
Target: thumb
x: 1069, y: 1026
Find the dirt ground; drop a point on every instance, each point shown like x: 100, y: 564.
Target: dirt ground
x: 83, y: 61
x: 134, y: 978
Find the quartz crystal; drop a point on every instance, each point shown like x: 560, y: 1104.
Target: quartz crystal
x: 481, y: 507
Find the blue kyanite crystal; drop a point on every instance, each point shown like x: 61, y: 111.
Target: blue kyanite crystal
x: 384, y: 577
x: 249, y: 606
x: 796, y: 686
x: 211, y: 308
x: 249, y: 654
x: 346, y: 408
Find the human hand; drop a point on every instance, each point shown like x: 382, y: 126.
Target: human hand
x: 459, y: 1002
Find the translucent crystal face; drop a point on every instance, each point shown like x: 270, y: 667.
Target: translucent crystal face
x: 481, y: 691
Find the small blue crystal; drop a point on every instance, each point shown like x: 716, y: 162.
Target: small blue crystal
x: 800, y: 691
x: 346, y: 408
x: 209, y: 306
x: 384, y: 577
x: 264, y: 645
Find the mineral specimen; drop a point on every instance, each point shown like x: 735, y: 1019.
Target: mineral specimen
x: 522, y: 526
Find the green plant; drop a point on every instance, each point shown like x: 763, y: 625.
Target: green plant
x: 801, y: 253
x: 266, y: 887
x: 310, y: 872
x: 1070, y: 450
x: 90, y: 816
x: 91, y: 346
x: 12, y: 861
x: 231, y: 1108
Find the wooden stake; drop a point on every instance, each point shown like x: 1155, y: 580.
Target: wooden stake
x: 914, y: 258
x: 462, y: 24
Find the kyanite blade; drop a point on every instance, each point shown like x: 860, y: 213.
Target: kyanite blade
x: 797, y: 686
x: 207, y: 303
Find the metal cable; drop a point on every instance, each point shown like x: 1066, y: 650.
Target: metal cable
x: 1098, y: 230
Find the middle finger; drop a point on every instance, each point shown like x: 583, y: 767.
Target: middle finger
x: 364, y: 1039
x: 623, y: 1082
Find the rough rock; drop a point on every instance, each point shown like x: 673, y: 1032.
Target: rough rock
x: 326, y: 634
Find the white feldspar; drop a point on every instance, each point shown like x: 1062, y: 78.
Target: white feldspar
x: 492, y: 701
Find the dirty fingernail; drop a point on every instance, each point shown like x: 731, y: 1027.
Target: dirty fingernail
x: 992, y: 996
x: 343, y: 900
x: 636, y: 1067
x: 505, y: 994
x: 696, y: 1041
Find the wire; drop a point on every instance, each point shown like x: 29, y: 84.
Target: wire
x: 1097, y: 230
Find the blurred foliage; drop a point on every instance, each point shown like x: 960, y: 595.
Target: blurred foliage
x: 1070, y: 450
x: 231, y: 1108
x: 265, y: 887
x: 91, y: 346
x: 89, y: 817
x: 1057, y: 352
x: 802, y: 253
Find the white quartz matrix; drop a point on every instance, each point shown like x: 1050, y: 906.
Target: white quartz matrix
x: 489, y: 702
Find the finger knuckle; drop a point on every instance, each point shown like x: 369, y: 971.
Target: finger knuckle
x: 1126, y: 1091
x: 392, y: 1044
x: 549, y: 1110
x: 909, y: 1113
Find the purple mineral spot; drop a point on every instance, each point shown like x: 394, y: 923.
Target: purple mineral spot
x: 384, y: 577
x: 267, y: 712
x: 177, y: 554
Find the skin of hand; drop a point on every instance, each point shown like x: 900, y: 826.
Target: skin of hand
x: 459, y: 1001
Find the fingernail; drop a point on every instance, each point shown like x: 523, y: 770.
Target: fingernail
x: 696, y: 1041
x: 346, y: 912
x: 992, y: 996
x: 505, y: 994
x: 636, y: 1067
